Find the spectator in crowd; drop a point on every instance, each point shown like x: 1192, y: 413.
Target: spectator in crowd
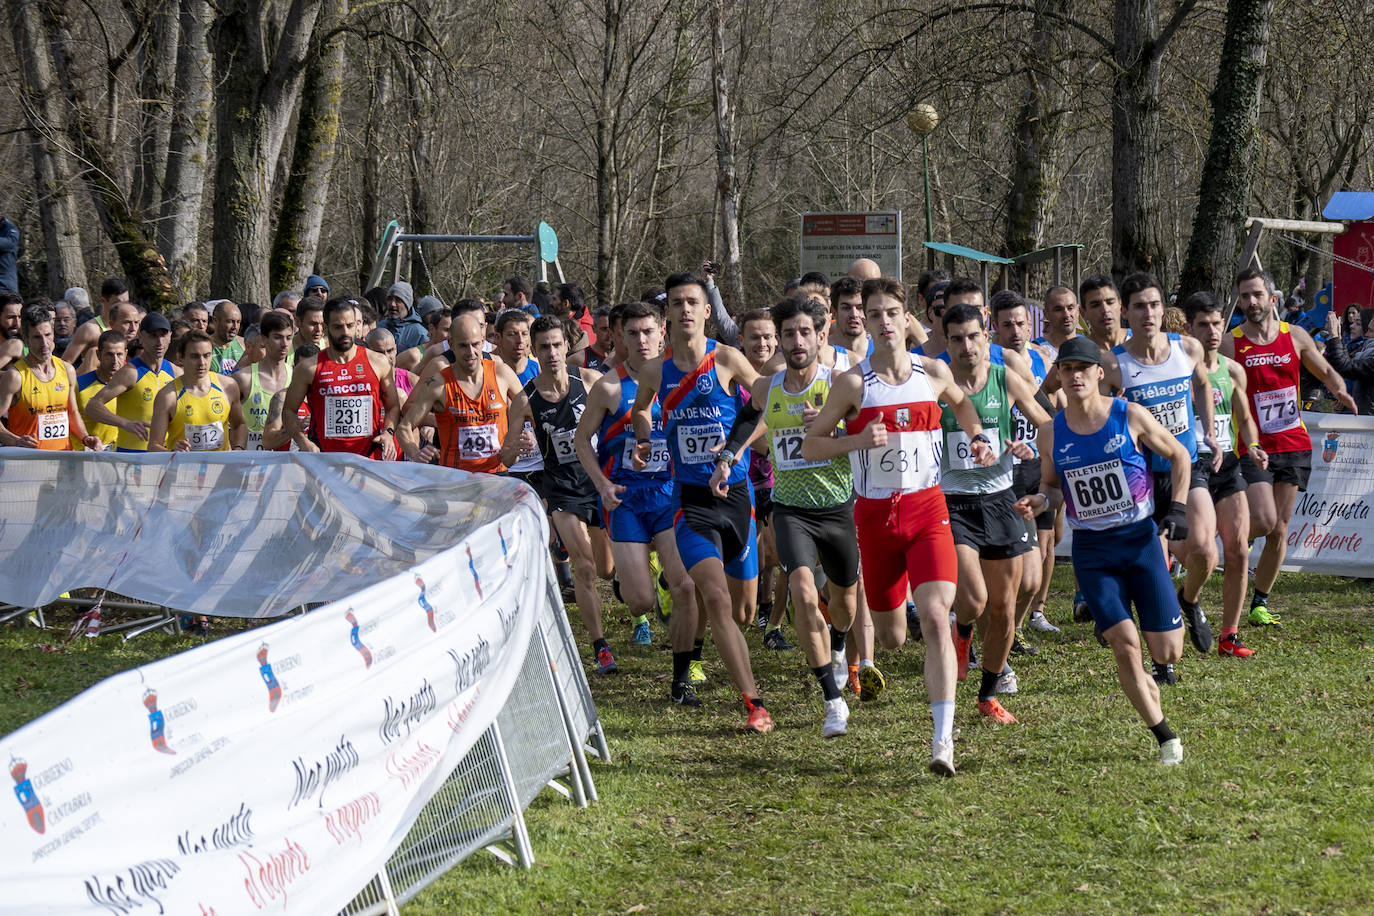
x: 1352, y: 329
x: 81, y: 303
x: 197, y: 316
x: 286, y: 301
x: 517, y: 296
x: 314, y: 286
x: 402, y: 321
x: 63, y: 324
x: 9, y: 253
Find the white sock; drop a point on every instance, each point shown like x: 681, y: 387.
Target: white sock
x: 942, y: 713
x: 865, y: 663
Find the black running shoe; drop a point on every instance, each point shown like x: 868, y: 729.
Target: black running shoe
x: 682, y: 695
x: 774, y: 640
x: 1164, y: 675
x: 913, y: 623
x: 1021, y: 648
x: 1198, y: 629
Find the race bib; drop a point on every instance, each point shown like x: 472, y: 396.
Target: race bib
x: 1278, y: 411
x: 347, y: 417
x: 1172, y: 415
x: 1221, y: 431
x: 476, y: 443
x: 52, y: 426
x: 787, y: 451
x: 205, y: 437
x: 959, y: 448
x: 695, y: 441
x: 255, y: 442
x: 899, y: 465
x: 658, y: 456
x: 1099, y: 490
x: 562, y: 443
x: 1025, y: 431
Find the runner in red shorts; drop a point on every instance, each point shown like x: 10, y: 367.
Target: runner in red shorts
x: 889, y: 405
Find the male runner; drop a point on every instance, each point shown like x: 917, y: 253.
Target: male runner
x: 1272, y: 353
x: 275, y: 438
x: 479, y: 405
x: 1100, y: 473
x: 113, y: 292
x: 198, y: 412
x: 110, y: 350
x: 228, y: 344
x: 637, y: 506
x: 1166, y: 374
x: 1061, y: 319
x: 847, y: 310
x: 1231, y: 417
x: 1102, y: 311
x: 694, y: 382
x: 135, y: 385
x: 989, y: 537
x: 309, y: 323
x: 350, y: 390
x: 266, y: 377
x: 889, y: 404
x: 513, y: 349
x: 38, y: 393
x: 813, y: 503
x: 1011, y: 325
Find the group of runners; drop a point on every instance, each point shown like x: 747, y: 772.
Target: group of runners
x: 905, y: 465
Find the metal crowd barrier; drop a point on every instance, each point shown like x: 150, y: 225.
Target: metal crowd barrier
x: 539, y: 740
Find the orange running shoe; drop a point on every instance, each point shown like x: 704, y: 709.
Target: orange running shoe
x: 760, y: 722
x: 995, y: 711
x: 853, y: 682
x: 961, y: 652
x: 1231, y: 645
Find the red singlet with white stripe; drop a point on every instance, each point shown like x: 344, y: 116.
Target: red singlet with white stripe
x: 911, y: 459
x: 346, y: 404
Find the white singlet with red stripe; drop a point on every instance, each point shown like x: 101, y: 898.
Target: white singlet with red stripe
x: 911, y: 459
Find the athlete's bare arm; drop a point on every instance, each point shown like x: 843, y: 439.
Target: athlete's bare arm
x: 391, y: 404
x: 11, y: 350
x: 76, y: 426
x: 9, y: 387
x: 1316, y: 363
x: 274, y: 435
x: 1202, y: 397
x: 1050, y: 489
x: 846, y: 396
x: 1148, y: 431
x: 1244, y: 420
x: 410, y: 359
x: 642, y: 414
x: 243, y: 378
x: 1111, y: 374
x: 602, y: 398
x: 425, y: 398
x: 426, y: 364
x: 163, y: 406
x: 517, y: 412
x: 1023, y: 394
x: 238, y: 428
x: 84, y: 339
x: 947, y: 389
x: 301, y: 378
x: 99, y: 412
x: 1018, y: 363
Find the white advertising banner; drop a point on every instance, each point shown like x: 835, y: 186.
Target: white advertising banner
x: 1331, y: 526
x: 830, y: 241
x: 276, y: 769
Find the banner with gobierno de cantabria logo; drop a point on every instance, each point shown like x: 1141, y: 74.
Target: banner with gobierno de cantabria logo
x: 273, y: 770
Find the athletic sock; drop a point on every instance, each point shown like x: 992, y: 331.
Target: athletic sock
x: 836, y: 640
x: 1185, y: 603
x: 751, y: 702
x: 1260, y: 598
x: 865, y: 663
x: 599, y: 644
x: 987, y: 688
x: 1162, y: 731
x: 965, y: 630
x: 642, y: 618
x: 827, y: 681
x: 696, y: 649
x: 942, y: 714
x: 681, y: 660
x: 1229, y: 631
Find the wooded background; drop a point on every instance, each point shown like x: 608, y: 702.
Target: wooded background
x: 229, y: 150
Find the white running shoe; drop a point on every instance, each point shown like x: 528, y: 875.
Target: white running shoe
x: 1171, y: 752
x: 942, y: 758
x: 839, y: 667
x: 1041, y: 624
x: 836, y: 717
x: 1007, y: 682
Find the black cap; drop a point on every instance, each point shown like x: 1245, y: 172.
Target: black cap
x: 1079, y: 349
x: 936, y: 292
x: 154, y: 322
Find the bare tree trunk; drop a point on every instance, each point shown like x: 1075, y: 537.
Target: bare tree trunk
x: 1224, y: 191
x: 54, y: 175
x: 259, y: 81
x: 727, y: 182
x: 156, y: 88
x: 312, y: 159
x: 178, y: 229
x: 605, y: 170
x: 421, y: 168
x: 1036, y: 132
x: 1140, y: 43
x: 378, y: 100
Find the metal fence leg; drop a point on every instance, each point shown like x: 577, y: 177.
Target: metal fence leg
x: 581, y: 772
x: 388, y: 895
x: 520, y: 836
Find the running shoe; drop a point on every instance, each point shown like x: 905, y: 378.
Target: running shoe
x: 665, y: 597
x: 1164, y: 675
x: 913, y: 623
x: 1231, y: 645
x: 1041, y: 624
x: 774, y: 640
x: 762, y: 614
x: 759, y: 722
x: 942, y: 758
x: 852, y: 681
x: 1199, y: 631
x: 1171, y: 752
x: 836, y: 718
x: 1261, y: 616
x: 682, y: 695
x: 994, y: 711
x: 643, y: 635
x: 871, y: 683
x: 839, y: 667
x: 1007, y: 682
x: 615, y: 587
x: 696, y: 674
x: 972, y: 653
x: 1020, y: 647
x: 605, y: 661
x: 1081, y: 614
x: 961, y: 650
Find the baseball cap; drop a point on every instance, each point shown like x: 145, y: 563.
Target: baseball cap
x: 154, y: 322
x: 1079, y: 349
x: 936, y: 292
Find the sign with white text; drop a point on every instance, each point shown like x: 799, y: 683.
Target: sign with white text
x: 830, y: 242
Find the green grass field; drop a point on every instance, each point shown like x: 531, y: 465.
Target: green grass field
x: 1068, y: 811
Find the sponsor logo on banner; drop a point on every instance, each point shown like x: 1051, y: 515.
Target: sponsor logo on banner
x: 347, y: 821
x: 470, y: 665
x: 269, y: 678
x: 28, y: 798
x: 235, y: 830
x: 424, y: 601
x: 411, y: 768
x: 316, y: 776
x: 133, y: 888
x: 268, y: 878
x: 157, y: 723
x: 476, y: 580
x: 505, y: 556
x: 398, y: 714
x: 356, y: 639
x: 1329, y: 447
